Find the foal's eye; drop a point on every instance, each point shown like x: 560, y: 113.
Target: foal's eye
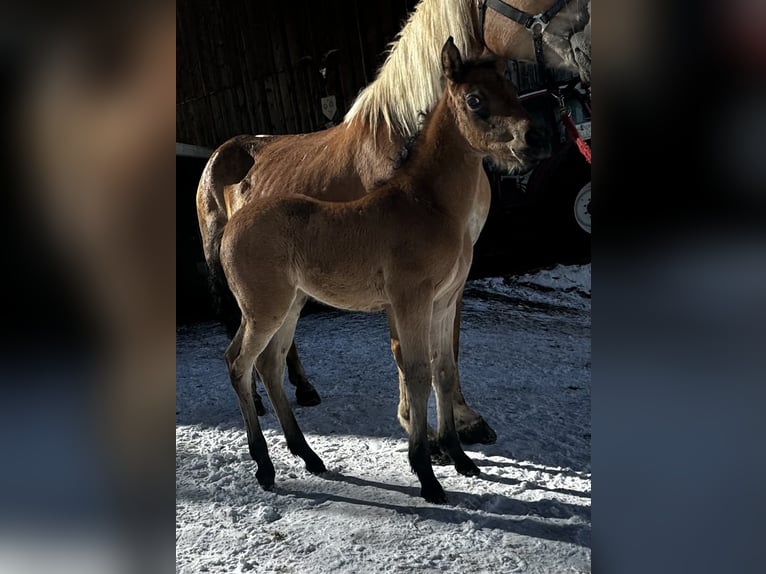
x: 473, y: 102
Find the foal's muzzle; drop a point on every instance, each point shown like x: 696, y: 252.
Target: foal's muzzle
x: 530, y: 146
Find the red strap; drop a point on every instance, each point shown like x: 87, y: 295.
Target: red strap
x: 582, y: 145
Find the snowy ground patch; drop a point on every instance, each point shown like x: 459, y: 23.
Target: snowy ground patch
x: 525, y: 366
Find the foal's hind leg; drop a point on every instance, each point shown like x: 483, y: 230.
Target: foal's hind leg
x: 271, y: 368
x: 240, y: 357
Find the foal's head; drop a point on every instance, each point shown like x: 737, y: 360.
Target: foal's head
x: 489, y: 113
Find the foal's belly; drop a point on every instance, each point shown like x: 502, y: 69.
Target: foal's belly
x: 345, y: 289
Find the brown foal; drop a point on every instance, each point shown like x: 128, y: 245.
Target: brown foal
x: 407, y: 247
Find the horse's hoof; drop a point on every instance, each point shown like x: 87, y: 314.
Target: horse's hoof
x: 307, y: 397
x: 478, y: 432
x: 434, y: 495
x: 468, y: 468
x: 260, y: 410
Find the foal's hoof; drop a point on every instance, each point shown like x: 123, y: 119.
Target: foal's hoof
x: 307, y: 397
x: 316, y: 466
x: 265, y: 478
x: 260, y: 410
x: 477, y: 432
x: 434, y: 494
x: 438, y: 456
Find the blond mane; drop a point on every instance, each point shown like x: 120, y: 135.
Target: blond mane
x: 409, y: 82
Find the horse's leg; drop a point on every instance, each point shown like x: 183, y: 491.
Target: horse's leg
x: 305, y: 393
x: 403, y: 410
x: 445, y: 381
x: 412, y: 317
x: 260, y: 409
x: 471, y: 427
x: 240, y: 357
x: 271, y: 368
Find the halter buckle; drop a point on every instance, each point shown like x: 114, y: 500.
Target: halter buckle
x: 538, y: 24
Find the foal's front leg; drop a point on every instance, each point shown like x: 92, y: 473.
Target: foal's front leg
x: 445, y: 381
x: 471, y: 426
x: 412, y: 317
x: 403, y: 410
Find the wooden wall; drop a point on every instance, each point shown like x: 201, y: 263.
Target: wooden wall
x: 250, y: 66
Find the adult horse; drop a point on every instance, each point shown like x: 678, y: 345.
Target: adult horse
x: 407, y: 248
x: 340, y: 163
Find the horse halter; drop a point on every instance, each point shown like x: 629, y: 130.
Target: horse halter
x: 536, y: 23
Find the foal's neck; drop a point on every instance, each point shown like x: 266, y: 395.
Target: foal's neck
x: 443, y: 163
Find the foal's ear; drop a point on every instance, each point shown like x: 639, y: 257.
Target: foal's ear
x: 452, y: 63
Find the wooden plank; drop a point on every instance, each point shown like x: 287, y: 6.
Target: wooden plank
x: 349, y: 74
x: 247, y: 53
x: 295, y: 34
x: 245, y: 50
x: 309, y: 95
x: 271, y: 95
x: 188, y: 42
x: 274, y: 94
x: 283, y: 66
x: 231, y: 123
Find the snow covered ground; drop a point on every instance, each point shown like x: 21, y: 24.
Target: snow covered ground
x: 525, y: 366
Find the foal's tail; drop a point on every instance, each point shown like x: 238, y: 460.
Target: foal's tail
x: 228, y: 165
